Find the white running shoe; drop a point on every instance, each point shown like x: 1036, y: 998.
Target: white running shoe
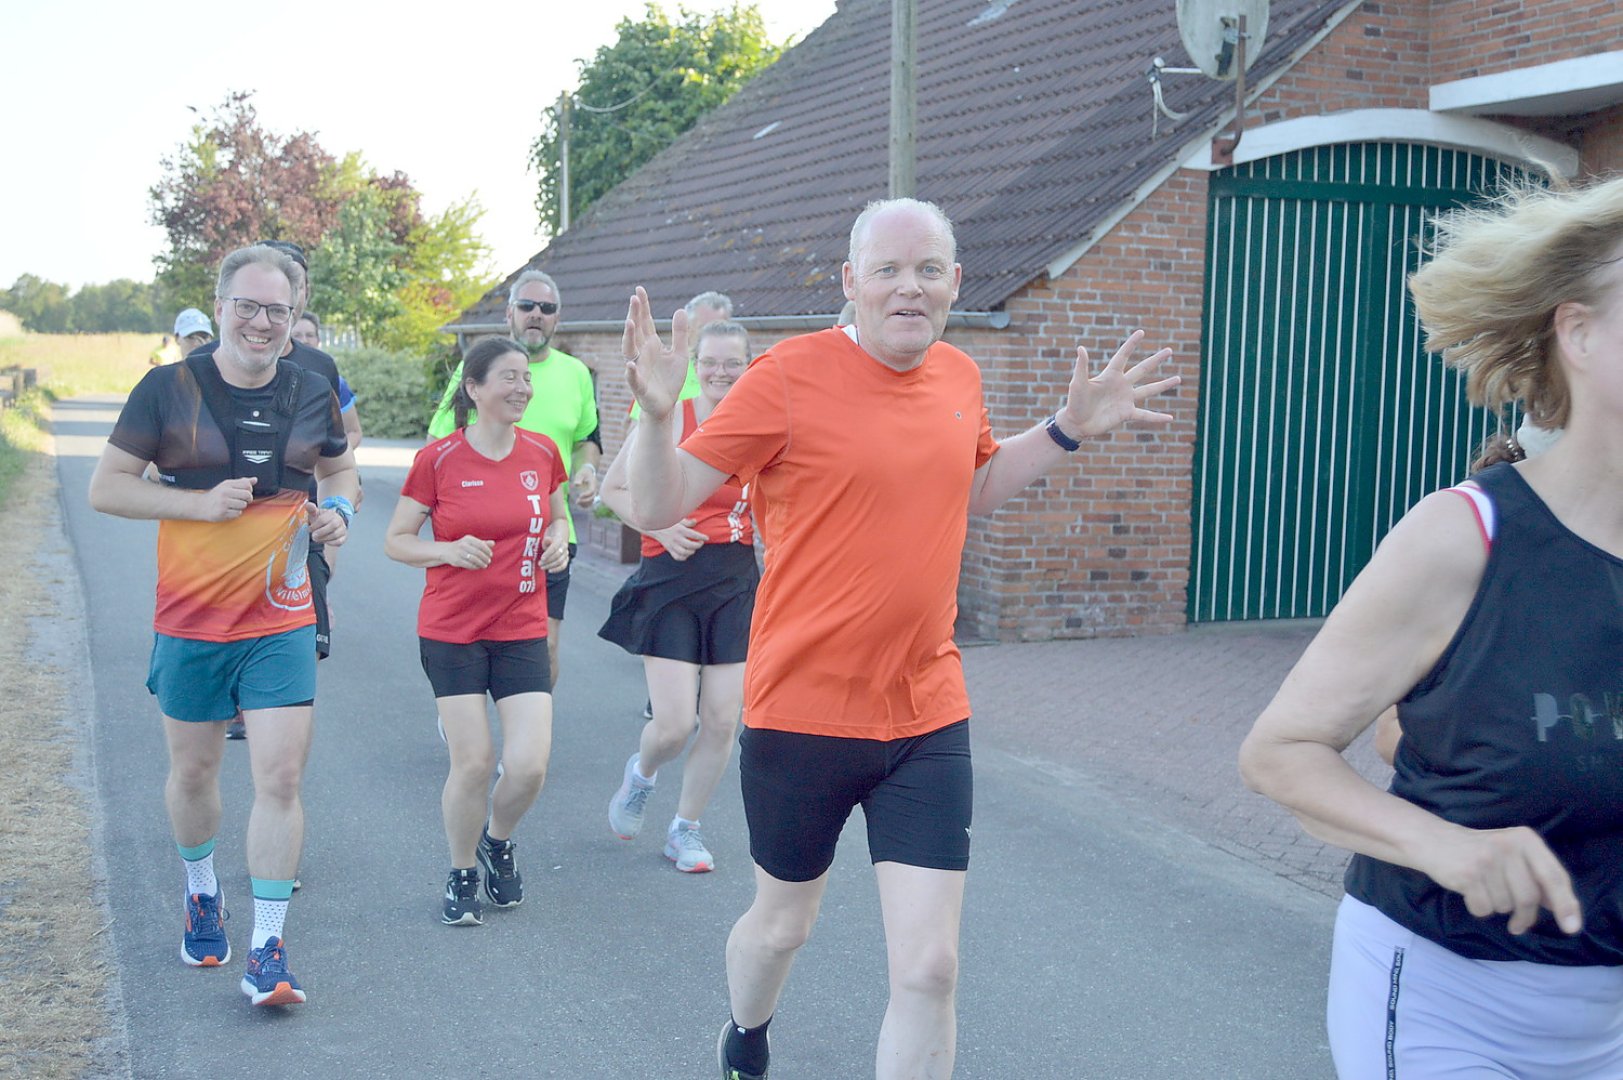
x: 629, y: 804
x: 685, y: 847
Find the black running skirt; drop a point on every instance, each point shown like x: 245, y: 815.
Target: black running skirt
x: 697, y: 611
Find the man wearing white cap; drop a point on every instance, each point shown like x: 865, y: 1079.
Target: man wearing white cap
x: 192, y: 330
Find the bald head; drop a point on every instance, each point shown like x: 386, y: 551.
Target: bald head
x: 910, y: 207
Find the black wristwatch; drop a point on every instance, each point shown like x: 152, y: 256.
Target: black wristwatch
x: 1062, y: 440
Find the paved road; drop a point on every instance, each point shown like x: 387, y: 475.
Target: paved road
x: 1100, y: 941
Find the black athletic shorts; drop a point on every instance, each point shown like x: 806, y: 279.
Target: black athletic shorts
x: 558, y: 588
x: 499, y: 668
x: 916, y: 793
x: 320, y: 574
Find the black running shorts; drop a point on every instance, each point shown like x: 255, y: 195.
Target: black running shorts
x: 558, y: 588
x: 320, y: 574
x: 916, y: 794
x: 499, y: 668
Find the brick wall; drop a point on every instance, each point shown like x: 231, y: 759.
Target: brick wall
x: 1377, y: 58
x: 1100, y: 546
x: 1602, y: 144
x: 1486, y: 37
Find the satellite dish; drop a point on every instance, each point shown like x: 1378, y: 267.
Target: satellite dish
x: 1211, y: 33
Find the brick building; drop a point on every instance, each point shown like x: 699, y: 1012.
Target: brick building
x: 1309, y: 418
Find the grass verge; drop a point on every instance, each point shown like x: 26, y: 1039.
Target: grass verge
x: 53, y: 1009
x: 69, y: 364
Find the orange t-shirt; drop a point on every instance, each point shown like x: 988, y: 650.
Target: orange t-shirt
x: 238, y: 579
x: 724, y: 517
x: 861, y: 477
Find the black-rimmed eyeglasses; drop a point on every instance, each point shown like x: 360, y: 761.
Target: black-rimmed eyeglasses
x: 247, y: 309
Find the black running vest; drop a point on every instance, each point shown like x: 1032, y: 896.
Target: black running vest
x: 1521, y: 723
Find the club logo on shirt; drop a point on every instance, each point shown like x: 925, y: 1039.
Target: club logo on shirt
x: 530, y: 479
x: 287, y: 573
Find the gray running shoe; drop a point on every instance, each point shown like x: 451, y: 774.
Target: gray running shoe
x: 630, y: 802
x: 728, y: 1072
x: 685, y: 847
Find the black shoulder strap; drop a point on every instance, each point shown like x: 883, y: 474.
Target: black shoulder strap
x: 217, y: 398
x: 287, y: 403
x: 287, y: 395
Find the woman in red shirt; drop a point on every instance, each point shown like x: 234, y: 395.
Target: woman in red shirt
x: 686, y: 611
x: 495, y: 494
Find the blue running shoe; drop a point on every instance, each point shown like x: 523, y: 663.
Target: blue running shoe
x: 204, y: 943
x: 267, y: 980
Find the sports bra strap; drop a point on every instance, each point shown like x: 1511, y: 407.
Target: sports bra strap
x: 1482, y: 505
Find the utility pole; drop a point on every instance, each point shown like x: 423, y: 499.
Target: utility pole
x: 903, y: 79
x: 563, y: 162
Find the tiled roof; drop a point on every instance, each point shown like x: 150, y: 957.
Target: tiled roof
x: 1034, y: 128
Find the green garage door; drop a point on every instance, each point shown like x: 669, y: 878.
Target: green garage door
x: 1322, y: 419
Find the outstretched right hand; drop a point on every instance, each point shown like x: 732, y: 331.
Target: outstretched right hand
x: 656, y: 373
x: 227, y: 500
x: 469, y: 553
x: 1507, y: 871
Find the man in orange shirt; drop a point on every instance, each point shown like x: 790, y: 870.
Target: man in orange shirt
x: 854, y: 693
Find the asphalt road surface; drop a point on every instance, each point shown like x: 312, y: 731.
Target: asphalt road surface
x: 1095, y: 944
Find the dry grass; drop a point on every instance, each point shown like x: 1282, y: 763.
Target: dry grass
x: 82, y: 363
x: 53, y: 1011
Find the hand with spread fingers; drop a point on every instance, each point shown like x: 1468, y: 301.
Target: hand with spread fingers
x: 655, y: 372
x: 1103, y: 402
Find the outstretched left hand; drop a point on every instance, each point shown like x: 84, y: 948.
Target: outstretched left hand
x: 1106, y: 401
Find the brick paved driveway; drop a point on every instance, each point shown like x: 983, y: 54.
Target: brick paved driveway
x: 1157, y: 721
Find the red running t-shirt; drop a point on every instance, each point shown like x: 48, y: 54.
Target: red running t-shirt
x: 724, y: 517
x: 506, y: 502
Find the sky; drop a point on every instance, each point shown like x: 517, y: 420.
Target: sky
x: 97, y: 93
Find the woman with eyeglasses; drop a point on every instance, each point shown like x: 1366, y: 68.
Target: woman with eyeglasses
x: 686, y: 611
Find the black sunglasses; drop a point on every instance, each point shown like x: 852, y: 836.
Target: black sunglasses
x: 547, y: 306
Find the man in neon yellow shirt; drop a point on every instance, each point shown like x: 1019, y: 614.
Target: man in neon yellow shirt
x: 563, y: 408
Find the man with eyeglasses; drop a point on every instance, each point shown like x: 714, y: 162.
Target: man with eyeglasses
x: 563, y: 408
x: 236, y: 436
x: 315, y: 360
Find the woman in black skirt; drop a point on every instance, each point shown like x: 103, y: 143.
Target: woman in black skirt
x: 686, y: 611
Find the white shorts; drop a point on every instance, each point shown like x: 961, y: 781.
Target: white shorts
x: 1402, y: 1007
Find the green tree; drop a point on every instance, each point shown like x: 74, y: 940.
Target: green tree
x: 447, y: 271
x: 666, y: 75
x: 118, y: 306
x: 40, y: 305
x: 357, y: 268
